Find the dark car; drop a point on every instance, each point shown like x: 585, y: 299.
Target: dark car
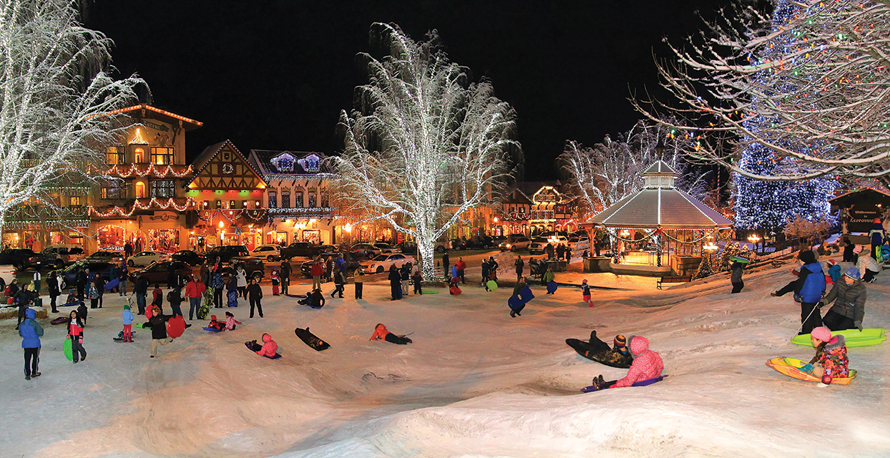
x: 300, y: 249
x: 189, y: 257
x: 22, y: 258
x: 307, y: 265
x: 480, y: 242
x: 105, y: 256
x: 458, y: 244
x: 253, y: 267
x: 61, y: 256
x: 159, y: 272
x: 408, y: 247
x: 226, y: 253
x: 66, y: 275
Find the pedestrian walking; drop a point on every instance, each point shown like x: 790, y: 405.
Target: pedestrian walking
x: 241, y: 276
x: 75, y: 333
x: 446, y: 266
x: 31, y: 331
x: 52, y: 283
x: 255, y: 296
x: 339, y: 281
x: 158, y: 325
x: 520, y: 267
x: 141, y: 291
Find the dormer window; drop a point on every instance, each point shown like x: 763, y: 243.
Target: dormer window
x: 284, y: 163
x: 311, y: 163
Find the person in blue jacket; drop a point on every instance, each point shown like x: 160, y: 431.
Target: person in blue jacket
x: 30, y: 330
x: 877, y: 239
x: 810, y: 287
x: 834, y: 270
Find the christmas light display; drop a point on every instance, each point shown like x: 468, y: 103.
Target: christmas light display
x: 153, y: 204
x: 425, y: 145
x: 159, y: 172
x: 808, y: 83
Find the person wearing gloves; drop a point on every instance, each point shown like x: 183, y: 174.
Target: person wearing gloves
x: 30, y: 330
x: 831, y: 360
x: 128, y: 323
x: 848, y: 295
x: 646, y: 365
x: 158, y: 325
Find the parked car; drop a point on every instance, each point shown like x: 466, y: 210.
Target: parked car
x: 22, y: 258
x: 514, y: 243
x: 189, y: 257
x: 365, y: 250
x: 458, y: 244
x: 268, y: 252
x: 306, y: 266
x: 66, y: 275
x: 253, y: 267
x: 226, y: 253
x: 385, y: 248
x: 480, y: 242
x: 105, y: 256
x: 408, y: 247
x: 443, y: 246
x: 382, y: 262
x: 7, y: 273
x: 299, y: 249
x: 579, y: 244
x: 144, y: 258
x: 159, y: 272
x: 537, y: 245
x: 63, y: 255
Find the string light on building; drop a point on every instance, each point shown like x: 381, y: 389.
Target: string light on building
x: 154, y: 203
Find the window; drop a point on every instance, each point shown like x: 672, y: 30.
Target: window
x: 205, y: 204
x: 139, y: 155
x: 232, y: 204
x: 273, y: 200
x: 113, y: 156
x: 298, y: 199
x: 285, y: 199
x: 162, y: 156
x: 312, y: 201
x: 163, y: 188
x: 140, y: 190
x: 218, y: 203
x: 74, y: 201
x: 324, y: 199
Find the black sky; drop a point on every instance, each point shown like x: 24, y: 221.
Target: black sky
x: 275, y: 74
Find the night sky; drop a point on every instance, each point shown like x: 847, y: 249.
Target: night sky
x: 275, y: 74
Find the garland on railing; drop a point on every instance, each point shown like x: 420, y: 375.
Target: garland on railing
x: 160, y: 172
x: 154, y: 202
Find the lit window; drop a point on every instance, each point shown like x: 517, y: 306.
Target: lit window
x: 140, y: 190
x: 74, y: 201
x: 162, y: 155
x: 139, y: 154
x: 113, y: 156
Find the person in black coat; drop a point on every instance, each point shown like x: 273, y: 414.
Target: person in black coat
x: 158, y: 325
x: 316, y: 299
x: 255, y: 295
x: 446, y: 268
x: 395, y: 283
x: 285, y: 275
x: 52, y: 283
x: 100, y: 287
x: 141, y: 290
x: 80, y: 281
x: 848, y: 251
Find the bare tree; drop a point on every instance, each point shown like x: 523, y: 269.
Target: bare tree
x: 425, y: 144
x: 55, y: 99
x: 609, y: 171
x: 810, y: 84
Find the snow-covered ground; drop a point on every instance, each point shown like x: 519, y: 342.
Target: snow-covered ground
x: 475, y: 382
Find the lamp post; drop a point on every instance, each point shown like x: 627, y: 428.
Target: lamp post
x: 753, y: 238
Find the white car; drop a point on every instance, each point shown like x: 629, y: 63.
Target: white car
x: 144, y: 258
x: 7, y: 273
x: 268, y: 252
x: 382, y: 262
x: 579, y: 244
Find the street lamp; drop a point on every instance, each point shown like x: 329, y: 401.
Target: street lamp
x: 753, y: 238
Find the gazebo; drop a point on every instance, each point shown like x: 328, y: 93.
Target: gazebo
x: 643, y: 225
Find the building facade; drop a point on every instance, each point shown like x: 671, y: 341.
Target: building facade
x: 535, y: 207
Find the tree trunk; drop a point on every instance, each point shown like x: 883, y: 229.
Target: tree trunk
x: 426, y: 252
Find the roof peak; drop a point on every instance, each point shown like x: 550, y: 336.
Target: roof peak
x: 659, y: 167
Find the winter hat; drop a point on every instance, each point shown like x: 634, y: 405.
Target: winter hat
x: 638, y: 345
x: 822, y: 333
x: 266, y: 337
x: 620, y: 341
x: 853, y: 272
x: 877, y: 220
x: 808, y: 257
x: 212, y: 317
x: 230, y: 314
x: 126, y: 307
x: 584, y: 281
x: 831, y: 262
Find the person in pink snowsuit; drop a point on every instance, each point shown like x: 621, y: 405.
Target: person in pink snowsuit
x: 646, y: 365
x: 270, y: 348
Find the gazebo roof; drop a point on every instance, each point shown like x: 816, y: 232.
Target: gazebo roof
x: 659, y: 167
x: 664, y: 207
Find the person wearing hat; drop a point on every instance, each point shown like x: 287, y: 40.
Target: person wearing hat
x: 831, y: 356
x: 736, y: 275
x: 585, y: 293
x: 834, y: 271
x: 127, y: 316
x: 619, y: 345
x: 849, y: 297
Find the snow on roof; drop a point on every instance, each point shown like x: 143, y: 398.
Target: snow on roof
x: 661, y: 207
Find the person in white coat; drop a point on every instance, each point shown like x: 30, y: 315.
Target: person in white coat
x: 241, y: 275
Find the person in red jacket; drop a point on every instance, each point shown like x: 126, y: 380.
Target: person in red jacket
x: 380, y: 332
x: 316, y: 271
x: 647, y: 365
x: 270, y: 348
x: 194, y: 290
x: 460, y: 265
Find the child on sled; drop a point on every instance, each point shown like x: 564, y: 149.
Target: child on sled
x: 216, y: 324
x: 646, y: 365
x: 831, y: 356
x: 231, y: 321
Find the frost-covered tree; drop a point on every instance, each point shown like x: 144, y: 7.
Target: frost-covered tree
x: 609, y: 171
x: 55, y: 96
x: 823, y: 99
x: 424, y: 144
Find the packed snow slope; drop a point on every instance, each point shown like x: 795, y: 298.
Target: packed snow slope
x: 475, y: 382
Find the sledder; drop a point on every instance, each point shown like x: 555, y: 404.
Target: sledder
x: 647, y: 365
x: 380, y: 332
x: 269, y: 349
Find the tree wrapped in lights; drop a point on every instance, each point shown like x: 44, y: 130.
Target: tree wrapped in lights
x: 55, y: 92
x: 813, y: 79
x: 609, y: 171
x: 425, y: 144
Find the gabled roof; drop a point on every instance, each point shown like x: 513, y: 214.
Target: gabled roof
x: 862, y: 195
x: 210, y: 152
x: 668, y: 208
x: 262, y: 160
x: 157, y: 113
x: 658, y: 167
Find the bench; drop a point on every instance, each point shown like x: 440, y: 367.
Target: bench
x: 673, y: 279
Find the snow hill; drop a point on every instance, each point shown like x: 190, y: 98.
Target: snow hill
x: 475, y: 382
